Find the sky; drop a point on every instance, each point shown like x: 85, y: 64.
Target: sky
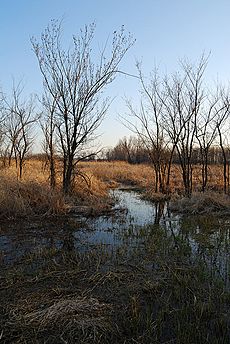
x: 165, y: 31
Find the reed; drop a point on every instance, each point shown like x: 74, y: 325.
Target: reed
x: 32, y: 194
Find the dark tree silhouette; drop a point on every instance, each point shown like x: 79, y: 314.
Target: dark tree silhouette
x: 75, y: 82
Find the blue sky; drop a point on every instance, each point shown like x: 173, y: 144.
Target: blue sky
x: 165, y: 31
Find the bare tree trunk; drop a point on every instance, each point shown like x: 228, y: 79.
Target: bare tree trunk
x: 204, y: 171
x: 224, y: 159
x: 20, y: 168
x: 169, y: 170
x: 52, y: 172
x: 74, y: 84
x: 68, y: 175
x: 224, y: 169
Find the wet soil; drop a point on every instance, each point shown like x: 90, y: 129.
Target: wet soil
x: 140, y: 275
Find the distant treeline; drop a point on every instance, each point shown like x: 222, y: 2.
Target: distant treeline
x: 132, y: 151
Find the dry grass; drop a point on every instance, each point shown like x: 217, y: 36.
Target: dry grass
x: 202, y: 203
x: 79, y: 312
x: 32, y: 195
x: 142, y: 175
x: 23, y: 198
x: 120, y: 172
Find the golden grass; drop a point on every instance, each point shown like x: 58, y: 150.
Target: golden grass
x: 213, y: 200
x: 22, y: 198
x: 120, y: 172
x: 142, y: 175
x: 32, y: 195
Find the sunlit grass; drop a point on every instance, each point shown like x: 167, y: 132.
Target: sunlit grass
x: 32, y: 194
x: 143, y: 175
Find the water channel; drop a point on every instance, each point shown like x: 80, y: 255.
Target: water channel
x: 134, y: 220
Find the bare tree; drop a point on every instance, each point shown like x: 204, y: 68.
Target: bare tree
x: 207, y: 131
x: 4, y: 144
x: 184, y: 99
x: 18, y: 123
x: 222, y: 109
x: 76, y: 82
x: 151, y: 121
x: 125, y: 150
x: 129, y: 149
x: 48, y: 126
x: 147, y: 123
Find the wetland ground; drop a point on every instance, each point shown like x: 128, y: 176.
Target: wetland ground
x: 141, y: 275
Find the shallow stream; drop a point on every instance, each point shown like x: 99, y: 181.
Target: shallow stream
x: 206, y: 239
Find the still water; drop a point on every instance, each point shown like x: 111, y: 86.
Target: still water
x: 205, y: 238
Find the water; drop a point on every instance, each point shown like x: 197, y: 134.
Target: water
x: 131, y: 214
x: 206, y: 239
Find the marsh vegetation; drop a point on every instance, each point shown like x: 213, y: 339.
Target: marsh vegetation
x: 139, y: 274
x: 132, y: 247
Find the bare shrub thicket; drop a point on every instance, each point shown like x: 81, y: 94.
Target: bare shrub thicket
x: 180, y: 120
x: 18, y: 117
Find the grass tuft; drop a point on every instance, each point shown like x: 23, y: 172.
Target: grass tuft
x: 80, y: 312
x: 202, y: 203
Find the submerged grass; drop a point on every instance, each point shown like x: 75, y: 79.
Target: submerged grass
x: 152, y: 292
